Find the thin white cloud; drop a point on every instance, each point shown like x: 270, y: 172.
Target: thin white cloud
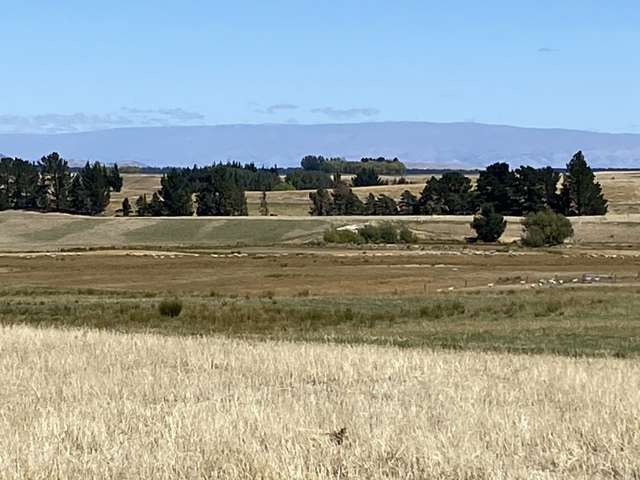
x: 77, y: 122
x: 278, y: 107
x: 346, y: 113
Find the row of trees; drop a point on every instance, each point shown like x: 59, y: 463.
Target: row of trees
x: 509, y: 192
x: 49, y: 185
x: 380, y: 165
x: 314, y: 179
x: 209, y: 191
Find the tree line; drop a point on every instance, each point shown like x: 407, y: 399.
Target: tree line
x: 217, y: 190
x: 381, y: 165
x: 509, y: 192
x: 49, y: 185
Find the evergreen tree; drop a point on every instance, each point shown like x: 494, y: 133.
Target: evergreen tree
x: 385, y: 205
x: 581, y: 194
x: 56, y: 180
x: 77, y: 195
x: 549, y: 179
x: 408, y: 204
x: 142, y: 206
x: 366, y: 177
x: 488, y: 224
x: 156, y: 206
x: 321, y: 203
x: 90, y: 189
x: 234, y: 200
x: 529, y: 191
x: 264, y: 206
x: 220, y: 192
x: 19, y: 184
x: 309, y: 179
x: 496, y: 186
x: 535, y: 189
x: 114, y: 178
x: 450, y: 194
x: 345, y: 202
x: 27, y: 192
x: 6, y: 183
x: 126, y: 207
x: 176, y: 194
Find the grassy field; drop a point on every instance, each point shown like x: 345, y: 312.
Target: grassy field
x: 621, y: 188
x: 571, y: 321
x: 439, y: 360
x: 87, y: 404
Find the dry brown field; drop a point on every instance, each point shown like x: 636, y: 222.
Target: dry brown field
x: 319, y: 272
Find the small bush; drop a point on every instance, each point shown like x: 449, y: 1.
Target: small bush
x: 386, y: 232
x: 546, y: 228
x: 488, y: 224
x: 170, y: 308
x: 333, y: 235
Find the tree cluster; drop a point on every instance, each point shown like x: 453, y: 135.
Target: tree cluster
x: 49, y: 185
x: 381, y: 165
x: 509, y: 192
x: 529, y: 190
x: 309, y: 179
x: 218, y: 190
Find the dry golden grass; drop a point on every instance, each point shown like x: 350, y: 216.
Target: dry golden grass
x: 83, y: 404
x: 133, y: 185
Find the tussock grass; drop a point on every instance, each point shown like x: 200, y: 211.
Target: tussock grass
x: 88, y: 404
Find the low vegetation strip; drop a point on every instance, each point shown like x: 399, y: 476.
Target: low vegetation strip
x: 570, y: 322
x: 20, y: 231
x: 87, y: 404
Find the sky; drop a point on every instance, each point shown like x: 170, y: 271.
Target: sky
x: 74, y: 65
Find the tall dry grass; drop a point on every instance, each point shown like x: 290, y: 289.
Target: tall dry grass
x: 86, y: 404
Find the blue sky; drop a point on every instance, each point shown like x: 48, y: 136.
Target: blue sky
x: 75, y: 65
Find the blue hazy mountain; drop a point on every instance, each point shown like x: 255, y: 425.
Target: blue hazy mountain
x: 420, y: 144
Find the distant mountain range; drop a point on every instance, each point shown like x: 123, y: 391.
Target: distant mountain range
x: 419, y: 144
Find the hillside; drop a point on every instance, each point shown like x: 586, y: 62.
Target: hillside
x: 416, y: 143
